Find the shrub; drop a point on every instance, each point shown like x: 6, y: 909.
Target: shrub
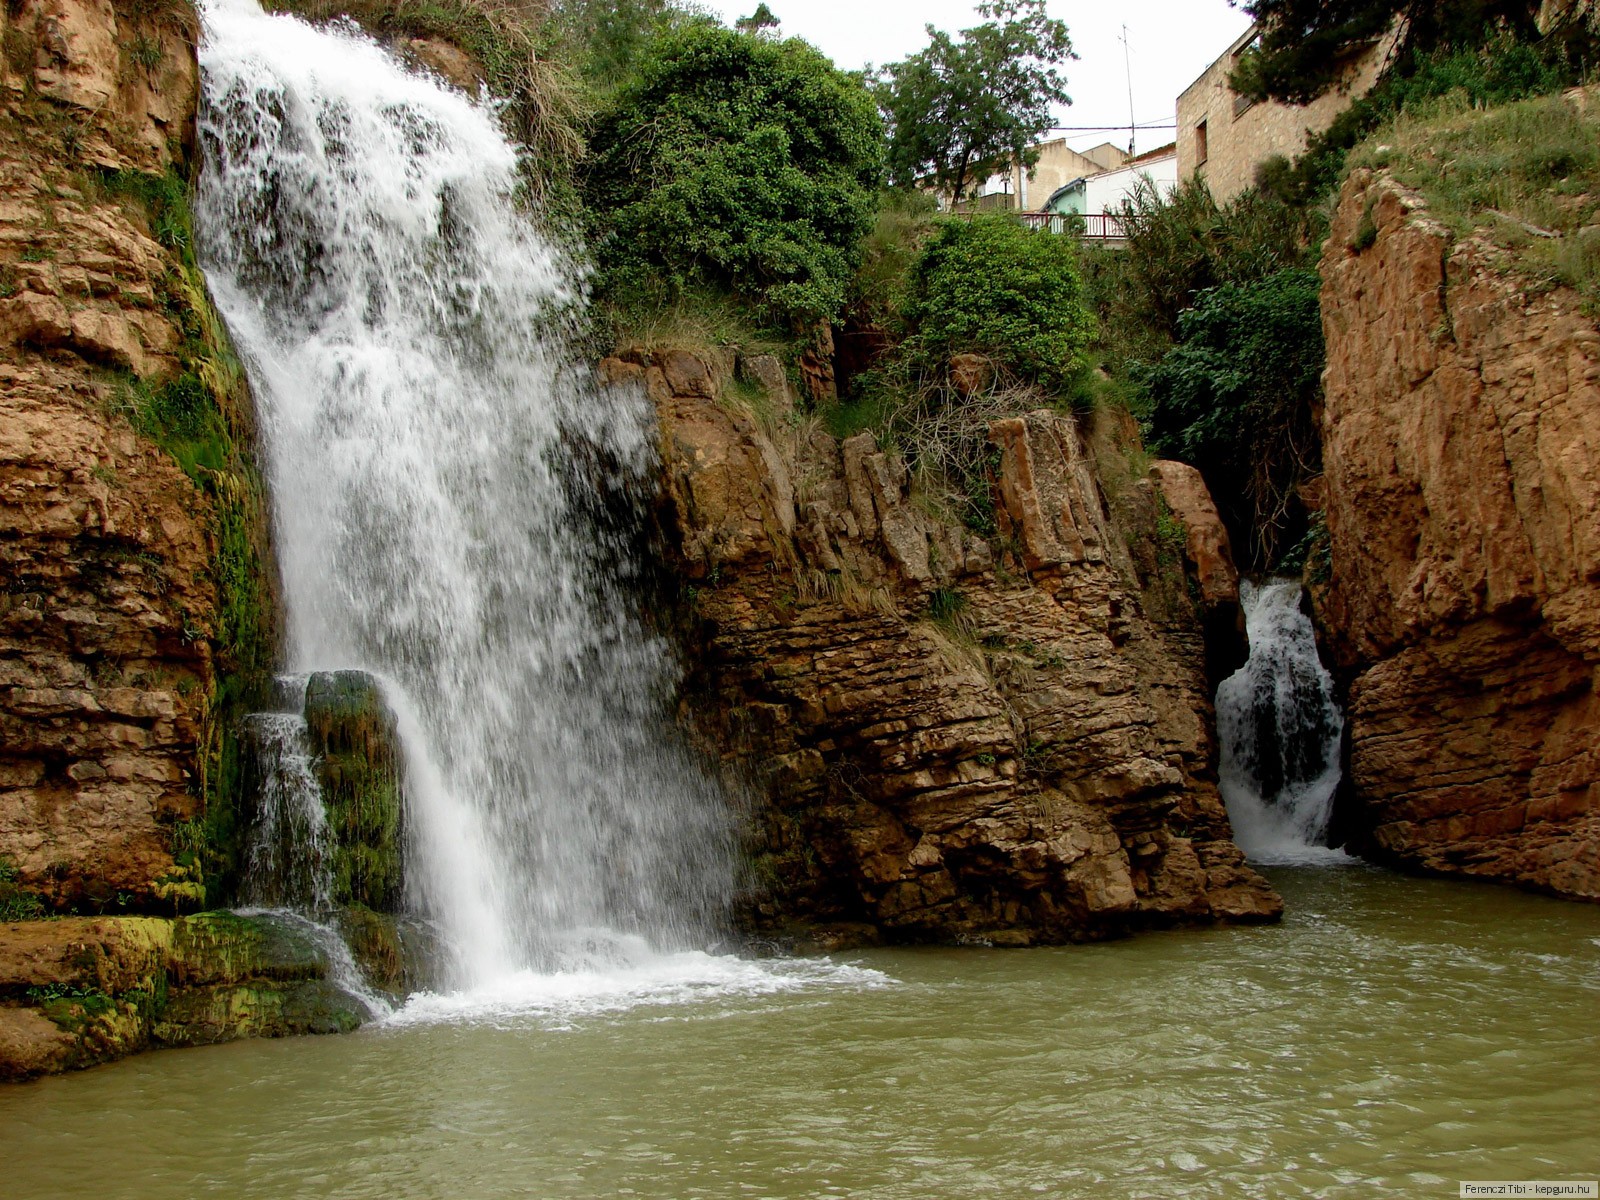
x: 738, y: 162
x: 992, y: 287
x: 1236, y: 398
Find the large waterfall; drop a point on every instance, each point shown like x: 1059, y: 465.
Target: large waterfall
x: 1280, y: 730
x: 449, y: 498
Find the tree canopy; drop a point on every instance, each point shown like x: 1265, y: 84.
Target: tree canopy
x: 740, y: 162
x: 1305, y: 44
x: 967, y: 107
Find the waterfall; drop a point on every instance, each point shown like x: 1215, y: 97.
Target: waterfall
x: 1280, y: 731
x: 452, y: 498
x: 286, y: 851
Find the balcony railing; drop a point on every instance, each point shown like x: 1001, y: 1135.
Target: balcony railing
x: 1094, y: 227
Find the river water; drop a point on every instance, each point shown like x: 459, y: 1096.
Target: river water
x: 1391, y: 1037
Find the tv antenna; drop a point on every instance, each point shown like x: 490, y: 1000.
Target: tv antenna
x: 1127, y: 65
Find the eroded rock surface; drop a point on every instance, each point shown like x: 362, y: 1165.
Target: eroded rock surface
x: 104, y: 661
x: 952, y: 737
x: 1462, y: 447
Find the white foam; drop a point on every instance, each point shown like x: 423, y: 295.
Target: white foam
x: 558, y: 999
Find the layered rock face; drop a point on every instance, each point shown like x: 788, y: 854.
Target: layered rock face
x: 104, y: 663
x: 1461, y: 440
x: 950, y: 737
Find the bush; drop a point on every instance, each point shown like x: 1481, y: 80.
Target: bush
x: 1236, y: 398
x: 990, y: 286
x: 738, y: 162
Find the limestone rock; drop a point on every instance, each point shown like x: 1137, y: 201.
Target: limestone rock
x: 949, y: 743
x: 1461, y: 437
x: 1205, y: 536
x: 971, y: 373
x: 108, y: 603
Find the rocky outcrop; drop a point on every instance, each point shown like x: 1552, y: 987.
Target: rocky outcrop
x: 951, y: 736
x: 1460, y: 438
x: 105, y: 660
x: 80, y: 991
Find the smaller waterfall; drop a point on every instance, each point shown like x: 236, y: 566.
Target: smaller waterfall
x: 288, y: 872
x: 1280, y: 731
x: 286, y: 863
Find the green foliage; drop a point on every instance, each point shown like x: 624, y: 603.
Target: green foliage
x: 604, y: 39
x: 736, y: 162
x: 993, y: 287
x: 1310, y: 559
x: 1235, y: 397
x: 1306, y: 45
x: 961, y: 110
x: 757, y: 21
x: 1527, y: 175
x: 904, y: 222
x: 15, y: 903
x: 1494, y: 70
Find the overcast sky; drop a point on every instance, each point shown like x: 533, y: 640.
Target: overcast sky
x: 1171, y: 42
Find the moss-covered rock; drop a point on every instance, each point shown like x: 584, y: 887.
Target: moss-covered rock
x: 353, y: 735
x: 79, y: 991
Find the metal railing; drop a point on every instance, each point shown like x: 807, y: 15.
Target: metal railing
x: 1094, y: 227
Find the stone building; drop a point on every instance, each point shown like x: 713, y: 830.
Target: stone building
x: 1225, y: 137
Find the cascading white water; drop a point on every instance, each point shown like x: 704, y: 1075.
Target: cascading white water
x: 286, y: 852
x: 1280, y: 730
x: 440, y: 475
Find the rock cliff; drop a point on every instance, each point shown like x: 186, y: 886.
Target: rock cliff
x: 950, y: 737
x: 105, y: 658
x: 1461, y: 438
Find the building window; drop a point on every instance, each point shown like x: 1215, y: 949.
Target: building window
x: 1201, y: 150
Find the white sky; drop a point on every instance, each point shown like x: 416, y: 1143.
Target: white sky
x: 1172, y: 41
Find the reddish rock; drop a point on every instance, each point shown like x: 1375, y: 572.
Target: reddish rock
x: 1461, y: 442
x: 1206, y: 542
x: 946, y: 746
x: 105, y: 664
x: 971, y: 374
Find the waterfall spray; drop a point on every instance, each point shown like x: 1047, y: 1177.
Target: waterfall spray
x: 404, y: 329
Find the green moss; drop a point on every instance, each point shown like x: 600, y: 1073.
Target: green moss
x: 353, y: 734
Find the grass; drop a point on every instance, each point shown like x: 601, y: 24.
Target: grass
x: 1526, y: 176
x: 15, y: 903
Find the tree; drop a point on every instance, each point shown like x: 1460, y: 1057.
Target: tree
x: 756, y: 22
x: 964, y: 109
x: 740, y: 163
x: 1236, y: 398
x: 1306, y: 44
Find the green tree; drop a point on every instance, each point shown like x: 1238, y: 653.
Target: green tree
x: 762, y: 19
x: 742, y: 163
x: 994, y: 287
x: 1236, y: 399
x: 1305, y: 45
x: 964, y: 109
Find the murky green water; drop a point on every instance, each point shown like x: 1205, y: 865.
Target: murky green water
x: 1392, y: 1037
